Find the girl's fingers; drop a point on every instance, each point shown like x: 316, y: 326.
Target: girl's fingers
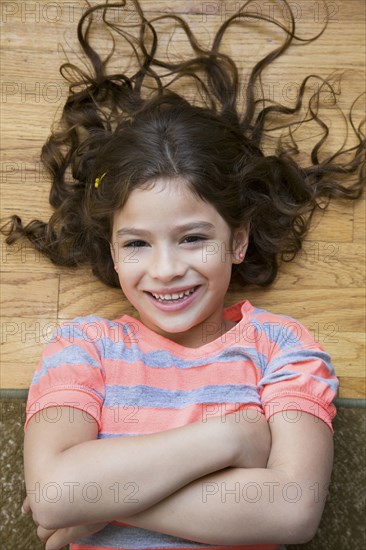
x: 62, y: 537
x: 44, y: 534
x: 26, y: 509
x: 55, y: 539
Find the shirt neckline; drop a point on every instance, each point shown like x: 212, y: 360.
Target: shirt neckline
x: 237, y: 312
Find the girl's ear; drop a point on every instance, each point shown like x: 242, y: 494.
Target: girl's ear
x: 240, y: 243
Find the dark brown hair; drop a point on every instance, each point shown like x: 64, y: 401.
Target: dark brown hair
x: 136, y: 128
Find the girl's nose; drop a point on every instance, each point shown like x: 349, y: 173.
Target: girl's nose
x: 166, y: 264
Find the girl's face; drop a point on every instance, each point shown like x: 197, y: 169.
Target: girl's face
x: 173, y: 257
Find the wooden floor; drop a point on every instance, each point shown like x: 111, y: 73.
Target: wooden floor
x: 324, y: 288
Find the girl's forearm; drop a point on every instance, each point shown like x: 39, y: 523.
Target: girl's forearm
x: 101, y: 479
x: 235, y: 506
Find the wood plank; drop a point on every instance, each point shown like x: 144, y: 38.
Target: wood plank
x: 86, y: 296
x: 29, y: 296
x: 323, y: 264
x: 359, y: 225
x: 21, y: 257
x: 354, y: 388
x: 347, y: 350
x: 325, y: 226
x: 22, y: 341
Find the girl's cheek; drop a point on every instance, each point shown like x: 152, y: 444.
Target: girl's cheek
x: 129, y: 257
x: 209, y: 251
x: 215, y: 255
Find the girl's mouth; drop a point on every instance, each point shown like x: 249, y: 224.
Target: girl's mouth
x: 174, y: 301
x: 176, y: 297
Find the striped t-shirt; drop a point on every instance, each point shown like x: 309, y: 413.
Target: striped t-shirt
x: 134, y: 381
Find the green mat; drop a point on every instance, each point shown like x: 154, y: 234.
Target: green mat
x: 343, y: 526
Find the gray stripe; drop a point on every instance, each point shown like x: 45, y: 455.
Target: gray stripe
x: 115, y: 536
x: 147, y: 396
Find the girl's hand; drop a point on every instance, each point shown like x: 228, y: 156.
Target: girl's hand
x: 251, y: 438
x: 56, y: 539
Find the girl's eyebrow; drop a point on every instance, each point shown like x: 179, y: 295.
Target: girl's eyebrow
x: 199, y: 225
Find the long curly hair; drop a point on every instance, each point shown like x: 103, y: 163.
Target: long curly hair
x: 134, y: 129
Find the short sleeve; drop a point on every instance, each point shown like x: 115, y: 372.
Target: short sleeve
x: 299, y: 376
x: 70, y: 372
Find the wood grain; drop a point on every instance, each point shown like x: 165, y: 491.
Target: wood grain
x: 324, y: 288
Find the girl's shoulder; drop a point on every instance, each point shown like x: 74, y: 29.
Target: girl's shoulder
x: 277, y: 327
x: 87, y: 323
x: 93, y: 328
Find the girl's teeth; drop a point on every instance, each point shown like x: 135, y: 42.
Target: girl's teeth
x: 175, y: 296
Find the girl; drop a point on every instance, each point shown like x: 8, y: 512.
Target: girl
x: 172, y: 201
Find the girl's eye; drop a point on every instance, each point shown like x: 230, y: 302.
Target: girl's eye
x: 134, y: 244
x: 194, y: 238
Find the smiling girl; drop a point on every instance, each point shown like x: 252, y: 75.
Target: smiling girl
x: 179, y: 274
x: 191, y: 425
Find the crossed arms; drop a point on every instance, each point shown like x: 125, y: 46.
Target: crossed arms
x: 225, y: 481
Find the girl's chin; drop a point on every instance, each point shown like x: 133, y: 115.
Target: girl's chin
x: 168, y: 329
x: 172, y: 329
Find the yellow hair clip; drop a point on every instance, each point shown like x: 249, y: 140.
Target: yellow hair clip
x: 98, y: 181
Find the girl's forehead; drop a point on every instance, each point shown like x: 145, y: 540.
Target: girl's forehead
x: 166, y: 201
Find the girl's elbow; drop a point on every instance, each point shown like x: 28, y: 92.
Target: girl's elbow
x: 48, y: 505
x: 49, y: 516
x: 44, y: 514
x: 310, y: 528
x: 304, y: 526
